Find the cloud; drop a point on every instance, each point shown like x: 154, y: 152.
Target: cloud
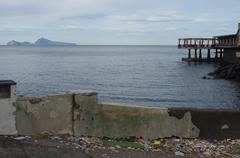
x: 84, y: 16
x: 172, y: 29
x: 200, y: 20
x: 73, y: 19
x: 165, y: 18
x: 151, y: 18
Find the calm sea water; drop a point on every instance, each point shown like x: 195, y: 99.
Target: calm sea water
x: 141, y: 75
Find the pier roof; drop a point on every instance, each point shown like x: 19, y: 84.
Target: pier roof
x: 226, y: 36
x: 7, y: 82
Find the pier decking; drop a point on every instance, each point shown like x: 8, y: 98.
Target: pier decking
x: 218, y: 43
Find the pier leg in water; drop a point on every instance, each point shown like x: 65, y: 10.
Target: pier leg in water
x: 195, y: 54
x: 200, y: 53
x: 189, y: 53
x: 209, y: 55
x: 221, y: 54
x: 216, y: 54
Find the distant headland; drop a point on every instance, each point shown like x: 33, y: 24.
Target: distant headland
x: 40, y: 42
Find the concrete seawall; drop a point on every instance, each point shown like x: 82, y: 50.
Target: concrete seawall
x: 79, y: 113
x: 50, y: 114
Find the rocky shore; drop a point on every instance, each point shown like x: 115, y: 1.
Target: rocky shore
x: 226, y: 71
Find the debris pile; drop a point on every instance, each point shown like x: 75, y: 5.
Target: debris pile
x: 173, y: 146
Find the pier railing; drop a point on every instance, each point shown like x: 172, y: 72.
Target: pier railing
x: 197, y: 43
x: 206, y: 43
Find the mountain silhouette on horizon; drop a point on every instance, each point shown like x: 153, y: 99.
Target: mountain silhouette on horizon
x: 40, y: 42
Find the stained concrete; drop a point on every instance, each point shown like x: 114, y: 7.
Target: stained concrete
x: 79, y: 113
x: 212, y: 123
x: 51, y: 114
x: 86, y: 111
x: 119, y: 121
x: 7, y: 112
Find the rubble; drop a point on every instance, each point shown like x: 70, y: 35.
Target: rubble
x: 20, y: 138
x: 179, y: 153
x: 171, y: 146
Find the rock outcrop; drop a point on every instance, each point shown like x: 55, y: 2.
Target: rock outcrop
x: 227, y: 71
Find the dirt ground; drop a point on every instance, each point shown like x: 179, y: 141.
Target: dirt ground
x: 80, y: 147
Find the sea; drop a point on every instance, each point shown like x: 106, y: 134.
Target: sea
x: 137, y: 75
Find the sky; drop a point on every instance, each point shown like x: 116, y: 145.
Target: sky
x: 116, y: 22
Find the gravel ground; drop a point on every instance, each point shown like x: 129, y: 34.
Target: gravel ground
x: 83, y: 147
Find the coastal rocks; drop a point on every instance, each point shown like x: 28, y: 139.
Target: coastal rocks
x: 228, y: 72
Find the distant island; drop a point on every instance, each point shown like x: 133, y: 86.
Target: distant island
x: 40, y: 42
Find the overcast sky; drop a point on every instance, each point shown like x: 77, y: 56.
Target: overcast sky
x: 116, y: 21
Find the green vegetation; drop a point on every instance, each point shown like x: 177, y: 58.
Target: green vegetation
x: 122, y: 143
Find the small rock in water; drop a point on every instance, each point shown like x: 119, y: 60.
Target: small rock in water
x: 179, y: 153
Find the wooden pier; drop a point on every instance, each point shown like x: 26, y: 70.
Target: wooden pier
x: 199, y: 47
x: 220, y: 46
x: 217, y: 48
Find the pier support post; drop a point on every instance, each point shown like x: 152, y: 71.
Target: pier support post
x: 221, y: 55
x: 209, y: 54
x: 189, y: 53
x: 216, y: 54
x: 200, y: 53
x: 195, y: 54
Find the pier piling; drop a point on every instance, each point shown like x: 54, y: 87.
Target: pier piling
x: 200, y: 53
x: 216, y: 54
x: 209, y: 54
x: 189, y: 53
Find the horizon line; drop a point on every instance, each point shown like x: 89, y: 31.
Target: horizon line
x: 92, y: 45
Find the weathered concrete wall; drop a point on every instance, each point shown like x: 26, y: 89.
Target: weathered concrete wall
x: 230, y: 56
x: 86, y: 113
x: 117, y: 121
x: 51, y: 114
x: 212, y: 123
x: 80, y: 114
x: 7, y: 113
